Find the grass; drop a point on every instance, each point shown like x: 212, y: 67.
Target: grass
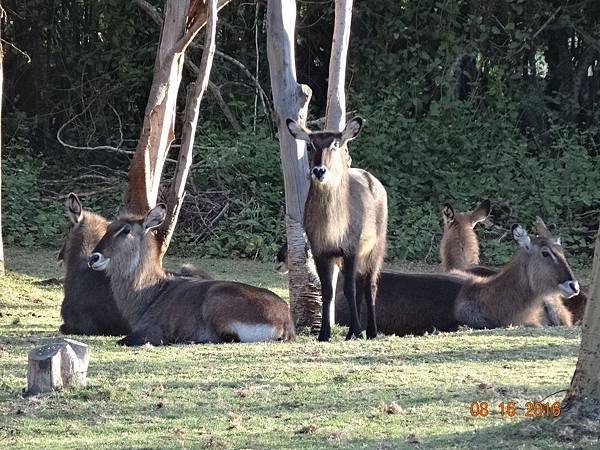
x: 411, y: 392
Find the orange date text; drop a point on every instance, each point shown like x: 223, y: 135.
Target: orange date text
x: 510, y: 409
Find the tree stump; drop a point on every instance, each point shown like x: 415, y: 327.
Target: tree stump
x: 54, y: 366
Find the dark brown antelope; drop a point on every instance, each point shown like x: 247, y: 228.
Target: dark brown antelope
x: 345, y: 219
x: 88, y: 306
x: 511, y: 297
x: 410, y: 303
x: 164, y: 309
x: 459, y: 249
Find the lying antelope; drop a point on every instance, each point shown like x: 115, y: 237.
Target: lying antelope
x: 164, y: 309
x: 514, y: 295
x: 459, y: 249
x: 345, y: 219
x: 88, y: 306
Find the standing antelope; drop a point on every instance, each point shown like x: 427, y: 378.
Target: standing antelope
x: 165, y: 309
x: 538, y: 269
x: 345, y: 219
x: 88, y: 306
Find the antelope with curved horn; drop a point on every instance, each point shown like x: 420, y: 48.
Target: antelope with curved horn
x: 561, y: 310
x: 537, y: 270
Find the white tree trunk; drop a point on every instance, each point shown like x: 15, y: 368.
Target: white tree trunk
x: 583, y: 398
x: 2, y: 14
x: 291, y: 100
x: 335, y: 117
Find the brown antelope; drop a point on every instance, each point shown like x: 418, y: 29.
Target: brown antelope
x: 88, y: 306
x: 164, y: 309
x: 345, y: 219
x: 560, y: 310
x: 410, y: 303
x: 459, y: 251
x: 537, y: 270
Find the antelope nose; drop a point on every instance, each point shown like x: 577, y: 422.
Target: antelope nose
x: 574, y: 285
x: 318, y: 172
x: 93, y: 259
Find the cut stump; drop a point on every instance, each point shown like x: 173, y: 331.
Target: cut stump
x: 53, y: 366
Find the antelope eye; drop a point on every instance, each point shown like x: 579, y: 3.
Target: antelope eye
x: 545, y: 253
x: 125, y: 230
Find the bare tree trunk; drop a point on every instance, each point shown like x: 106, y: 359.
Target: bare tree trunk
x: 192, y: 108
x: 182, y: 21
x: 583, y: 398
x: 291, y: 100
x: 159, y: 118
x: 335, y: 116
x: 2, y: 15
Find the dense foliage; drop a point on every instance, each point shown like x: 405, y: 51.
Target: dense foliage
x: 463, y: 100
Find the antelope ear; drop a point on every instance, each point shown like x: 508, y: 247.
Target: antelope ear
x: 480, y: 213
x: 448, y: 213
x: 297, y: 131
x: 155, y: 217
x: 74, y: 208
x: 352, y: 129
x: 521, y: 236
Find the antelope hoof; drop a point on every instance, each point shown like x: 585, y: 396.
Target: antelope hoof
x: 371, y: 334
x: 354, y: 335
x: 324, y: 335
x: 132, y: 340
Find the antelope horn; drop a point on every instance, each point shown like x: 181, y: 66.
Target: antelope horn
x: 541, y: 228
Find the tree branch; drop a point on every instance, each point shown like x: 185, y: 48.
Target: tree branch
x: 192, y: 110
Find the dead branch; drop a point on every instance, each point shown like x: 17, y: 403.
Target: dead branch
x: 216, y: 93
x: 157, y: 18
x: 192, y: 111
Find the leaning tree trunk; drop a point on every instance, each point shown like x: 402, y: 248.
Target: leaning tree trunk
x: 182, y: 21
x: 583, y: 398
x: 291, y: 100
x: 190, y: 120
x: 2, y: 13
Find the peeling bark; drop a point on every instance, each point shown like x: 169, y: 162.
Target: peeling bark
x: 583, y: 398
x: 192, y: 109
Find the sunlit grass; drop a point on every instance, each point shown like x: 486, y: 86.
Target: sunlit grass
x: 411, y: 392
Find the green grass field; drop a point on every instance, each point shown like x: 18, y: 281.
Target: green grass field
x: 411, y: 392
